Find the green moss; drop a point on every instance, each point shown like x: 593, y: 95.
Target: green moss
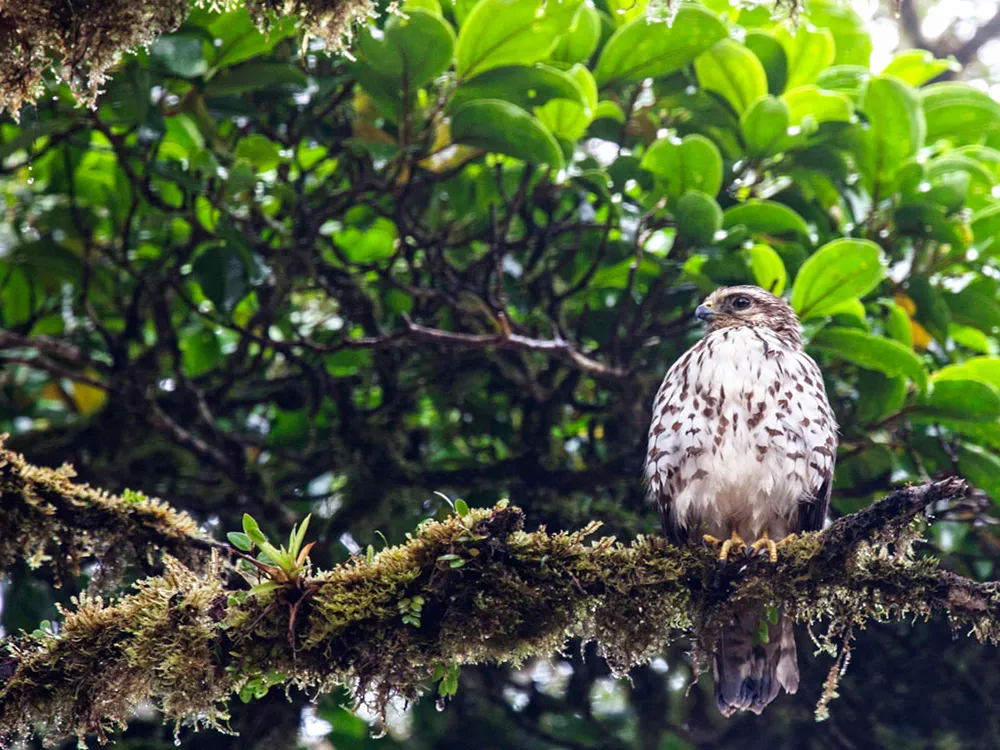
x: 47, y: 519
x: 491, y: 593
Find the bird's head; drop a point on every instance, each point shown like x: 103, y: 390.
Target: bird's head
x: 749, y: 306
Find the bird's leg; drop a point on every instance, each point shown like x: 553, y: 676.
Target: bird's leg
x: 726, y: 546
x: 765, y: 542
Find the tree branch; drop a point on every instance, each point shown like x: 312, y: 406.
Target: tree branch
x: 492, y: 593
x: 46, y: 518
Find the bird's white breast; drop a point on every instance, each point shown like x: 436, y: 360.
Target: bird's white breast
x: 742, y: 432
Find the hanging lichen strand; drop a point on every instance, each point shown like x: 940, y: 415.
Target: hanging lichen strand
x: 80, y: 42
x: 485, y: 591
x: 47, y: 519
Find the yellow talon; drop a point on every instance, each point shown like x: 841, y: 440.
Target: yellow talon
x: 734, y: 541
x: 765, y: 542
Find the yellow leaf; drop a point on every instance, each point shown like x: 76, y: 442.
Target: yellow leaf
x: 88, y: 398
x: 906, y: 303
x: 921, y: 339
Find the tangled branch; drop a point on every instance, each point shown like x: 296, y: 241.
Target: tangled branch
x: 491, y: 592
x: 46, y: 518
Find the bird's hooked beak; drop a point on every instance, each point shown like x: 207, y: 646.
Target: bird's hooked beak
x: 705, y: 313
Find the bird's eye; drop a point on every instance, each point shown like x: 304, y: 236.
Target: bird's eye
x: 741, y: 302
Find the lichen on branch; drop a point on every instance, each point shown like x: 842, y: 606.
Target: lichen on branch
x: 488, y: 591
x: 81, y: 42
x: 47, y: 519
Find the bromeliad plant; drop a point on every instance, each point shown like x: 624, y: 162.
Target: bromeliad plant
x: 283, y: 567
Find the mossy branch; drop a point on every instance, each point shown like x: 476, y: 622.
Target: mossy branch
x: 489, y: 592
x: 47, y: 519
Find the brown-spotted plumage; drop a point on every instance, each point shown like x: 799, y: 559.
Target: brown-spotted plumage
x: 742, y: 447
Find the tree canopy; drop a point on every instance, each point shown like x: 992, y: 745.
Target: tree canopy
x: 446, y: 272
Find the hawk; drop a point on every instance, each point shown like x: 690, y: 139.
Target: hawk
x: 741, y: 447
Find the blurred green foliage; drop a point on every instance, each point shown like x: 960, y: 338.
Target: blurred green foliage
x: 260, y: 279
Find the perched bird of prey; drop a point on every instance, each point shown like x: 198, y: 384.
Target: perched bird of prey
x: 742, y: 447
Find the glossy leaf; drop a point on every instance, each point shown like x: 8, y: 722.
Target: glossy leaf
x: 732, y: 71
x: 895, y: 129
x: 766, y: 218
x: 917, y: 66
x: 698, y: 217
x: 524, y: 85
x: 838, y: 271
x: 810, y: 105
x: 768, y: 268
x: 691, y: 163
x: 957, y: 111
x: 764, y: 126
x: 510, y: 32
x: 872, y: 353
x: 494, y: 125
x: 581, y: 39
x: 808, y: 49
x: 965, y: 400
x: 772, y: 57
x: 410, y: 50
x: 641, y: 49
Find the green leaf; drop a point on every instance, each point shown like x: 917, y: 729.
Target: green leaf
x: 895, y: 130
x: 772, y: 57
x: 563, y: 118
x: 180, y: 54
x: 495, y: 125
x: 976, y: 306
x: 641, y: 49
x: 252, y: 530
x: 932, y: 310
x: 878, y: 396
x: 897, y: 324
x: 808, y: 49
x: 691, y: 163
x: 411, y: 49
x: 581, y: 39
x: 766, y: 218
x: 698, y: 217
x: 917, y: 66
x: 838, y: 271
x: 764, y: 126
x: 852, y: 42
x: 254, y: 76
x: 957, y: 111
x: 849, y: 80
x: 240, y: 38
x: 811, y: 105
x: 15, y: 296
x: 973, y: 183
x: 570, y: 119
x: 981, y: 369
x: 298, y: 535
x: 240, y: 540
x: 610, y: 110
x: 981, y: 467
x: 732, y: 71
x: 526, y: 86
x: 261, y: 151
x: 509, y: 32
x: 872, y: 353
x: 767, y: 267
x: 461, y: 507
x: 966, y: 400
x: 986, y: 229
x: 264, y: 588
x: 222, y: 273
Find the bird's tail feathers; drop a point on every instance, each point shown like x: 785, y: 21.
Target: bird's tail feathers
x: 749, y: 675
